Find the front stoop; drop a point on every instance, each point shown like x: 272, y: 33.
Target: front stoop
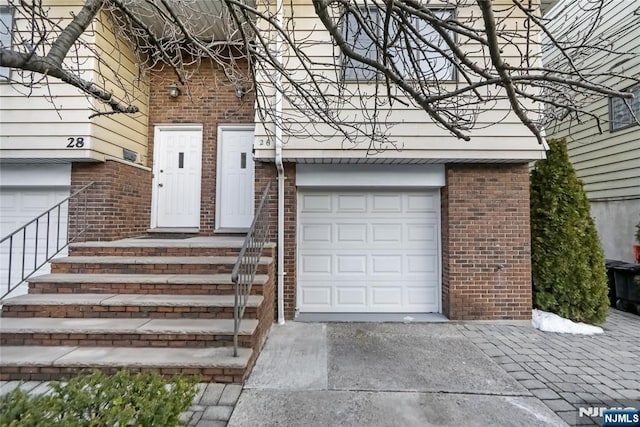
x: 161, y: 305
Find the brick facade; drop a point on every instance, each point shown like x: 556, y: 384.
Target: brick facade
x: 486, y: 255
x: 118, y: 204
x: 266, y: 172
x: 212, y: 102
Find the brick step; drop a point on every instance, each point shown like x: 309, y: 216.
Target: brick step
x: 182, y: 284
x: 128, y: 306
x: 40, y: 363
x: 173, y: 333
x: 150, y: 265
x: 198, y: 246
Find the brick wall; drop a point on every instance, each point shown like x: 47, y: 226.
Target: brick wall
x: 485, y: 225
x: 266, y: 172
x: 118, y: 204
x: 212, y: 102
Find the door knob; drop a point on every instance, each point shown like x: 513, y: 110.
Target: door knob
x: 160, y: 185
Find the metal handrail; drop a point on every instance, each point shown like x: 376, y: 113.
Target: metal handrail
x: 79, y: 230
x: 244, y: 270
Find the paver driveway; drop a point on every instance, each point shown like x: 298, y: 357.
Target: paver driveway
x: 569, y: 371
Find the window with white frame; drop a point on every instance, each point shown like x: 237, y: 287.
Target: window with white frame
x: 415, y: 48
x: 624, y: 112
x: 6, y: 25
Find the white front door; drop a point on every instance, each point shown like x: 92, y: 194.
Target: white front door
x: 368, y: 251
x: 235, y: 178
x: 177, y: 171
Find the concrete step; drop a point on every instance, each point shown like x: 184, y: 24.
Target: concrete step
x: 196, y: 333
x: 127, y: 306
x: 42, y: 363
x: 145, y: 246
x: 183, y: 284
x: 151, y: 264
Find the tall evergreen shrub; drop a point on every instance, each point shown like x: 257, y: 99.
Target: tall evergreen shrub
x: 569, y: 276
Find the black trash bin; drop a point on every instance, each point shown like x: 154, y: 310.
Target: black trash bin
x: 611, y: 281
x: 627, y: 279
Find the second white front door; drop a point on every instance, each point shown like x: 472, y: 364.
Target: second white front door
x: 235, y: 178
x: 177, y: 172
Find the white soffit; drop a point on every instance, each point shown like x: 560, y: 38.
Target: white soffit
x: 366, y: 175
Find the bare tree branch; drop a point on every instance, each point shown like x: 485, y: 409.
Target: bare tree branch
x: 453, y: 62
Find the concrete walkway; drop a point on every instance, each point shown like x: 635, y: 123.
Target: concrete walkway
x: 377, y: 374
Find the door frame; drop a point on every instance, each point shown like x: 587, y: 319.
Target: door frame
x: 221, y: 129
x: 157, y: 129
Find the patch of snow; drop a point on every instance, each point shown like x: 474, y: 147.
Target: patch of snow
x: 549, y: 322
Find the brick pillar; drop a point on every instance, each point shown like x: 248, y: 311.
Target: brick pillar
x: 266, y: 172
x: 486, y: 247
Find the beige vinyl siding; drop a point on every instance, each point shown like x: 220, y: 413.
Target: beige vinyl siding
x: 112, y: 133
x: 37, y: 123
x: 607, y: 162
x: 45, y: 116
x: 497, y: 135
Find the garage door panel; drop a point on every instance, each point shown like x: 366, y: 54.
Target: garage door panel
x: 423, y: 265
x: 351, y: 233
x: 320, y: 232
x: 351, y: 296
x: 421, y: 233
x: 351, y: 203
x: 351, y: 265
x: 421, y: 203
x: 316, y: 264
x: 386, y: 264
x: 316, y: 297
x: 386, y: 296
x: 385, y: 203
x: 315, y: 203
x: 419, y: 296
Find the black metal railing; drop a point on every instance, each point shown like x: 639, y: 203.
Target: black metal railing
x: 246, y: 266
x: 34, y: 244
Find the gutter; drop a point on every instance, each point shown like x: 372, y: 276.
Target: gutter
x: 279, y: 163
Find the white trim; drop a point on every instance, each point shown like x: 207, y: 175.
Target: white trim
x: 222, y: 128
x: 364, y: 175
x: 35, y: 175
x: 154, y: 181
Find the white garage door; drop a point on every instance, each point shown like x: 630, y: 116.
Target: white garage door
x: 28, y: 190
x: 368, y: 251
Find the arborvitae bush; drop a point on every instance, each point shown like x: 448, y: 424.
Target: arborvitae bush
x: 569, y: 276
x: 97, y: 399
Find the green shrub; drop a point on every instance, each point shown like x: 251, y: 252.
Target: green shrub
x: 569, y: 276
x: 99, y: 400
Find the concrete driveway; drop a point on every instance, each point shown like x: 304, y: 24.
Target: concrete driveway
x: 382, y: 374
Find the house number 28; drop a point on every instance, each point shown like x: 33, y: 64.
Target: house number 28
x: 75, y: 142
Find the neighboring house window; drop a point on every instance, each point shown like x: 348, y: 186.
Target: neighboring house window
x: 624, y: 112
x: 405, y: 50
x: 6, y: 25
